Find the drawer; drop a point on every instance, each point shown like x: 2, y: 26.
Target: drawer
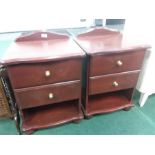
x: 113, y: 82
x: 48, y: 94
x: 29, y: 75
x: 115, y: 63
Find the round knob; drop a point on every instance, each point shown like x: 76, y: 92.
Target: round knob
x: 115, y: 84
x: 50, y: 95
x: 119, y: 63
x: 47, y: 73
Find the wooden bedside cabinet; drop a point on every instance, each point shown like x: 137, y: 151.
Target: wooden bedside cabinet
x: 45, y: 72
x: 113, y: 68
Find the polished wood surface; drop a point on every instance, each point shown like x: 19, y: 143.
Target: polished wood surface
x: 51, y: 115
x: 93, y: 32
x: 105, y: 83
x: 102, y: 40
x: 113, y: 66
x: 107, y: 64
x: 40, y: 35
x: 108, y: 102
x: 48, y: 70
x: 29, y: 75
x: 45, y: 71
x: 37, y: 96
x: 41, y: 51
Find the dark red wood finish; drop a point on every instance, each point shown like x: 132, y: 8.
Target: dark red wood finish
x: 40, y: 35
x: 29, y: 75
x: 107, y: 64
x: 51, y: 115
x: 104, y: 83
x: 108, y: 102
x: 39, y: 96
x: 41, y: 50
x: 105, y: 41
x: 45, y: 71
x: 110, y: 59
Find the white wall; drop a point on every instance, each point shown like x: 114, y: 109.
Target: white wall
x: 18, y: 15
x: 144, y: 31
x: 140, y: 30
x: 42, y: 23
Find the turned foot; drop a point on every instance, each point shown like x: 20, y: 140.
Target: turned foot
x: 127, y: 109
x: 77, y: 121
x: 88, y: 117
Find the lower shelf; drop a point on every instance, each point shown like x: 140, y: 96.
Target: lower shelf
x: 51, y: 115
x: 109, y: 102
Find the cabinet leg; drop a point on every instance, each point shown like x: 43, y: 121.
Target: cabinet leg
x: 76, y: 121
x: 143, y: 98
x: 88, y: 117
x: 17, y: 122
x: 127, y: 109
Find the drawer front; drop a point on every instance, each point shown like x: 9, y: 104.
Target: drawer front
x: 115, y: 63
x: 29, y: 75
x: 113, y: 82
x: 49, y: 94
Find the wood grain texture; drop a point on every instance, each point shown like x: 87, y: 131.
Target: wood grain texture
x: 107, y: 64
x: 104, y: 48
x: 40, y: 35
x: 41, y: 51
x: 97, y: 32
x: 101, y: 40
x: 50, y: 116
x: 108, y: 102
x: 45, y: 71
x: 104, y: 84
x: 37, y: 96
x: 29, y: 75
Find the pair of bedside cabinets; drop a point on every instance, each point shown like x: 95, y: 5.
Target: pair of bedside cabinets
x: 57, y: 78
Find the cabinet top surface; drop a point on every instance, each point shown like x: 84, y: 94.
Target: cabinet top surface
x: 102, y: 40
x: 39, y: 50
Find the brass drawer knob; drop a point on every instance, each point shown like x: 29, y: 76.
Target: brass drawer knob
x: 119, y: 63
x: 50, y: 96
x: 47, y: 73
x: 115, y: 84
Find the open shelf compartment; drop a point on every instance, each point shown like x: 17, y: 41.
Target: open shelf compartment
x: 109, y: 102
x: 51, y: 115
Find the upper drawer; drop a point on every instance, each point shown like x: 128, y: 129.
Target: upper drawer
x: 112, y: 82
x: 48, y: 94
x: 29, y: 75
x: 114, y: 63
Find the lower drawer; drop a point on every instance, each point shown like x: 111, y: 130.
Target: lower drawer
x: 47, y: 94
x: 112, y: 82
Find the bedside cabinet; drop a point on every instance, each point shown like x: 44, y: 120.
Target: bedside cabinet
x: 45, y: 72
x: 112, y: 72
